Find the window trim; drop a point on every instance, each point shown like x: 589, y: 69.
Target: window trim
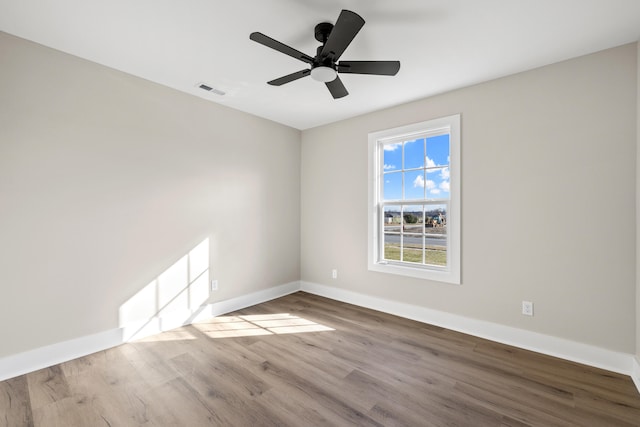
x: 451, y: 273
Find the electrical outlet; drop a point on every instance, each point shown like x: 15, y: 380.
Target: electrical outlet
x: 334, y: 273
x: 214, y: 285
x: 527, y: 308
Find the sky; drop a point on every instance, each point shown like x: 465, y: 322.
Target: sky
x: 425, y: 173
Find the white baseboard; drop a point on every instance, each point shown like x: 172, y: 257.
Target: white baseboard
x: 635, y: 373
x: 254, y: 298
x: 32, y: 360
x: 541, y: 343
x: 43, y: 357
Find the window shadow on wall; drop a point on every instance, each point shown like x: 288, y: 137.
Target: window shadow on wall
x: 172, y: 299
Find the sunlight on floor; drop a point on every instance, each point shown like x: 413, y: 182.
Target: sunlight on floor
x: 258, y: 324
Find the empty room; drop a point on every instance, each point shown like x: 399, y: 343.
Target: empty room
x: 306, y: 213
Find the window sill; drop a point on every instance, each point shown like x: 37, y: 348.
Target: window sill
x: 417, y: 272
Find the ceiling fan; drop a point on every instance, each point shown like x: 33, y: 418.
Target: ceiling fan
x: 325, y: 66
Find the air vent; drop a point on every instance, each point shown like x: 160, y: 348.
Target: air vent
x: 208, y: 88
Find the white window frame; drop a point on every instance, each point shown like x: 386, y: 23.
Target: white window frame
x: 450, y: 273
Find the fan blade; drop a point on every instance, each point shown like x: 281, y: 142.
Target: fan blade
x: 280, y: 47
x: 289, y: 78
x: 346, y: 28
x: 381, y: 68
x: 336, y: 88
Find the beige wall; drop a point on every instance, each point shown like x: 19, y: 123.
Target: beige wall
x: 107, y: 180
x: 638, y: 206
x: 548, y: 192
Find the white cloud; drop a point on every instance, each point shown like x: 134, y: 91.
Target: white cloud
x: 389, y: 167
x: 430, y: 163
x: 392, y: 147
x: 444, y: 185
x: 420, y: 182
x: 435, y: 191
x: 445, y: 173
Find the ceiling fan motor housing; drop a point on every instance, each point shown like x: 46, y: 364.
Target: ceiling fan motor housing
x: 322, y: 31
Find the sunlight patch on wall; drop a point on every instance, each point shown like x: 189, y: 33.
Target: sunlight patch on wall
x: 172, y: 299
x: 258, y: 324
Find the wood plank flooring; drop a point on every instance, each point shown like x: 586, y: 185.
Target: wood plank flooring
x: 303, y: 360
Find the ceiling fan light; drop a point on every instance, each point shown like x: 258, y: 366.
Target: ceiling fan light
x: 323, y: 74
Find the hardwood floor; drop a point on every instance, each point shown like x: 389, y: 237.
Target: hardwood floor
x: 303, y: 360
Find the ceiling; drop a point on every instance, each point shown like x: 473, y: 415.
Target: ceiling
x: 441, y: 44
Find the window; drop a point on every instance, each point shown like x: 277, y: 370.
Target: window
x: 414, y: 199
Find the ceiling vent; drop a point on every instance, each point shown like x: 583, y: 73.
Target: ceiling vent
x: 208, y: 88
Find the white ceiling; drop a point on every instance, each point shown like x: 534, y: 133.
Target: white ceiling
x: 441, y: 44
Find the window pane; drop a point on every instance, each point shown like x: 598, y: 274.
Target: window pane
x: 438, y: 183
x: 436, y: 219
x: 414, y: 184
x: 412, y: 238
x: 392, y: 247
x: 412, y: 219
x: 412, y: 251
x: 436, y: 257
x: 436, y: 235
x: 392, y: 219
x: 438, y: 151
x: 392, y: 186
x: 392, y: 227
x: 414, y: 154
x: 392, y: 157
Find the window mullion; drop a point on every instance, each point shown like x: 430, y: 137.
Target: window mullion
x: 401, y: 233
